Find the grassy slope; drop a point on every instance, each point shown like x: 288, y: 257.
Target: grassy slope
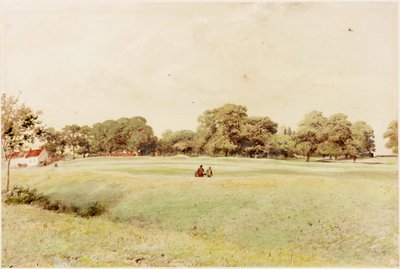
x: 253, y: 212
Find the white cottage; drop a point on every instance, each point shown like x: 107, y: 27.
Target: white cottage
x: 17, y: 158
x: 36, y: 157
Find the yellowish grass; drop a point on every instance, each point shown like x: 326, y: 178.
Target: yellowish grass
x: 252, y: 213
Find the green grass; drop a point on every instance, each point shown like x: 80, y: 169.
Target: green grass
x: 253, y: 212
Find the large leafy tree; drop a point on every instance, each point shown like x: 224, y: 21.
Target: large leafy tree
x: 392, y: 134
x: 139, y: 136
x: 103, y: 139
x: 166, y: 142
x: 184, y: 141
x: 284, y: 144
x: 337, y: 137
x: 20, y: 126
x: 71, y: 133
x: 257, y: 135
x: 85, y: 133
x: 122, y: 135
x: 219, y: 131
x: 363, y: 138
x: 177, y: 142
x: 310, y: 134
x: 55, y: 142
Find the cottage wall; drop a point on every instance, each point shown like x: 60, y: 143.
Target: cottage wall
x: 15, y: 161
x: 43, y: 157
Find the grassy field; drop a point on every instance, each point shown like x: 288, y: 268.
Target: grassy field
x: 253, y: 212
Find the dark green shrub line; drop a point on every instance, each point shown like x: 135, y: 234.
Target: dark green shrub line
x: 21, y: 195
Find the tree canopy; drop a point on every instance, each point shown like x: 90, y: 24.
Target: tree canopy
x: 223, y: 131
x: 392, y: 135
x: 20, y: 126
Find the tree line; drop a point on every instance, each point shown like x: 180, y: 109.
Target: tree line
x: 224, y: 131
x: 111, y: 136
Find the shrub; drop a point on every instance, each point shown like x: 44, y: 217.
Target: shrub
x: 21, y: 195
x: 92, y: 210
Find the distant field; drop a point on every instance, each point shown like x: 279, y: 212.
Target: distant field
x: 253, y: 212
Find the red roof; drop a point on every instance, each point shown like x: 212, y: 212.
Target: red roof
x: 33, y: 153
x: 15, y: 155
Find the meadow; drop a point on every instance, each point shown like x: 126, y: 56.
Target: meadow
x: 253, y: 212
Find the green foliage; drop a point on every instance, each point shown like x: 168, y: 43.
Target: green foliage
x: 284, y: 144
x: 92, y: 210
x: 20, y: 125
x: 21, y: 195
x: 181, y: 142
x: 310, y: 133
x: 227, y: 131
x: 363, y: 138
x: 220, y: 129
x: 392, y: 134
x: 123, y: 135
x: 71, y: 133
x: 55, y: 142
x: 334, y: 136
x: 27, y: 196
x: 83, y: 140
x: 256, y: 136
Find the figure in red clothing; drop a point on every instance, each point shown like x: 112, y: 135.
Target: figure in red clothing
x: 200, y: 171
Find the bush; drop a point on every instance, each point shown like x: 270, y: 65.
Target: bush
x: 92, y: 210
x: 21, y: 195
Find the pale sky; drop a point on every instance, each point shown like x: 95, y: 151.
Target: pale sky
x: 82, y: 63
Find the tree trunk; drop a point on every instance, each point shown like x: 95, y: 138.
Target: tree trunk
x: 8, y: 175
x: 308, y: 157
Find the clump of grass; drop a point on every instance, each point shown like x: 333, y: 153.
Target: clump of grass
x: 21, y: 195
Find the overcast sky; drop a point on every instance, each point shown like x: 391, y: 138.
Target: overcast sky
x: 89, y: 62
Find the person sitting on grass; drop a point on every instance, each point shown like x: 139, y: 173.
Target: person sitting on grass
x: 200, y: 171
x: 209, y: 172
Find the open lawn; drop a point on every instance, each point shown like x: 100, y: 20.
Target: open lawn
x: 253, y: 212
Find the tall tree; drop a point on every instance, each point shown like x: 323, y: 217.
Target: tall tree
x: 166, y: 143
x: 284, y: 144
x: 220, y: 129
x: 55, y: 142
x: 98, y: 138
x: 310, y: 133
x: 71, y: 133
x: 392, y: 134
x: 139, y: 136
x: 363, y: 138
x: 256, y: 135
x: 122, y: 135
x: 20, y: 126
x: 337, y: 137
x: 84, y: 137
x: 182, y: 141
